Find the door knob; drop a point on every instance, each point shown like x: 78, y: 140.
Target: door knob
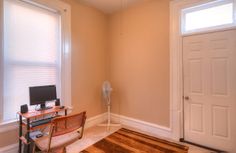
x: 186, y: 98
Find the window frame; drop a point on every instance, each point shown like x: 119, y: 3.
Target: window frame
x: 64, y: 10
x: 202, y: 6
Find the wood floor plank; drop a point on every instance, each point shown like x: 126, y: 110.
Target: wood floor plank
x: 124, y: 145
x: 156, y: 141
x: 93, y: 149
x: 154, y: 138
x: 139, y: 144
x: 127, y: 141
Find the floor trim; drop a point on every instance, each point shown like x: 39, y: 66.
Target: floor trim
x: 8, y: 126
x: 149, y: 128
x: 95, y: 120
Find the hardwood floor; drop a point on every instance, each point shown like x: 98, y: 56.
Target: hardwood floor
x: 96, y: 133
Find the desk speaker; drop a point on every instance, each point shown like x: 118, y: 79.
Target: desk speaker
x: 57, y: 103
x: 24, y: 108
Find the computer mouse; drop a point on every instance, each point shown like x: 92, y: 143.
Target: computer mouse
x: 39, y: 135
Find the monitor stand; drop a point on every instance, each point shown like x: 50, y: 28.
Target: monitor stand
x: 43, y: 107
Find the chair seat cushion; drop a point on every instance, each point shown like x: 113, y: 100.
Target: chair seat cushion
x: 57, y: 141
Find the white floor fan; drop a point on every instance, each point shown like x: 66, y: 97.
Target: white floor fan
x: 106, y: 92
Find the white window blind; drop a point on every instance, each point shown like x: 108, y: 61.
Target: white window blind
x: 31, y: 53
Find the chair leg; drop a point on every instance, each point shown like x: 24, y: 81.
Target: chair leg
x: 34, y: 148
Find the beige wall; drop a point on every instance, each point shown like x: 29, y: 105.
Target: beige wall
x: 139, y: 61
x: 89, y: 50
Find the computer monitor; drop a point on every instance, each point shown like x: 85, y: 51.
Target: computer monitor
x: 41, y: 94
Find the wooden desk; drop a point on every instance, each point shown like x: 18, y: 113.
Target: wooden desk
x: 28, y: 116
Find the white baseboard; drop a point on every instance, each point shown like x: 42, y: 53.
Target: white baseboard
x: 9, y: 126
x: 95, y: 120
x: 149, y: 128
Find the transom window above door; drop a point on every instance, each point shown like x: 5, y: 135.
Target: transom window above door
x: 209, y: 16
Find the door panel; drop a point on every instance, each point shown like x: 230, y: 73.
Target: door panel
x: 219, y: 76
x: 196, y: 118
x: 210, y: 83
x: 220, y: 121
x: 196, y: 76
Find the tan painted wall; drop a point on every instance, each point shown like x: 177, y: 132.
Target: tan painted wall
x: 89, y: 50
x: 139, y: 60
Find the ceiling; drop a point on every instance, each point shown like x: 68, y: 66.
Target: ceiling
x: 110, y: 6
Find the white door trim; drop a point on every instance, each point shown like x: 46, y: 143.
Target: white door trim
x: 176, y: 65
x: 176, y: 82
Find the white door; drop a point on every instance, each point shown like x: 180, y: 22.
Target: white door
x: 210, y: 89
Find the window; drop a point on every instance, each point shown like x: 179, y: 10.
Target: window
x: 31, y: 53
x: 36, y: 42
x: 213, y: 15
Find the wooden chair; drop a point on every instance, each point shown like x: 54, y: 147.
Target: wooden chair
x: 63, y: 131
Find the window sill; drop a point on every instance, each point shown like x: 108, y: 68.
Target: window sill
x: 8, y: 126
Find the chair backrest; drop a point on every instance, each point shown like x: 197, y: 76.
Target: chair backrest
x: 67, y: 124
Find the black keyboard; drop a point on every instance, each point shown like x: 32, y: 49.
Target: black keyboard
x: 41, y: 122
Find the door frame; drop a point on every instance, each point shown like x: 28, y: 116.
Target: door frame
x: 176, y: 64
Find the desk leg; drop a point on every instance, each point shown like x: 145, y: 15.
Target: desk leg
x: 65, y: 120
x: 28, y: 135
x: 20, y: 134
